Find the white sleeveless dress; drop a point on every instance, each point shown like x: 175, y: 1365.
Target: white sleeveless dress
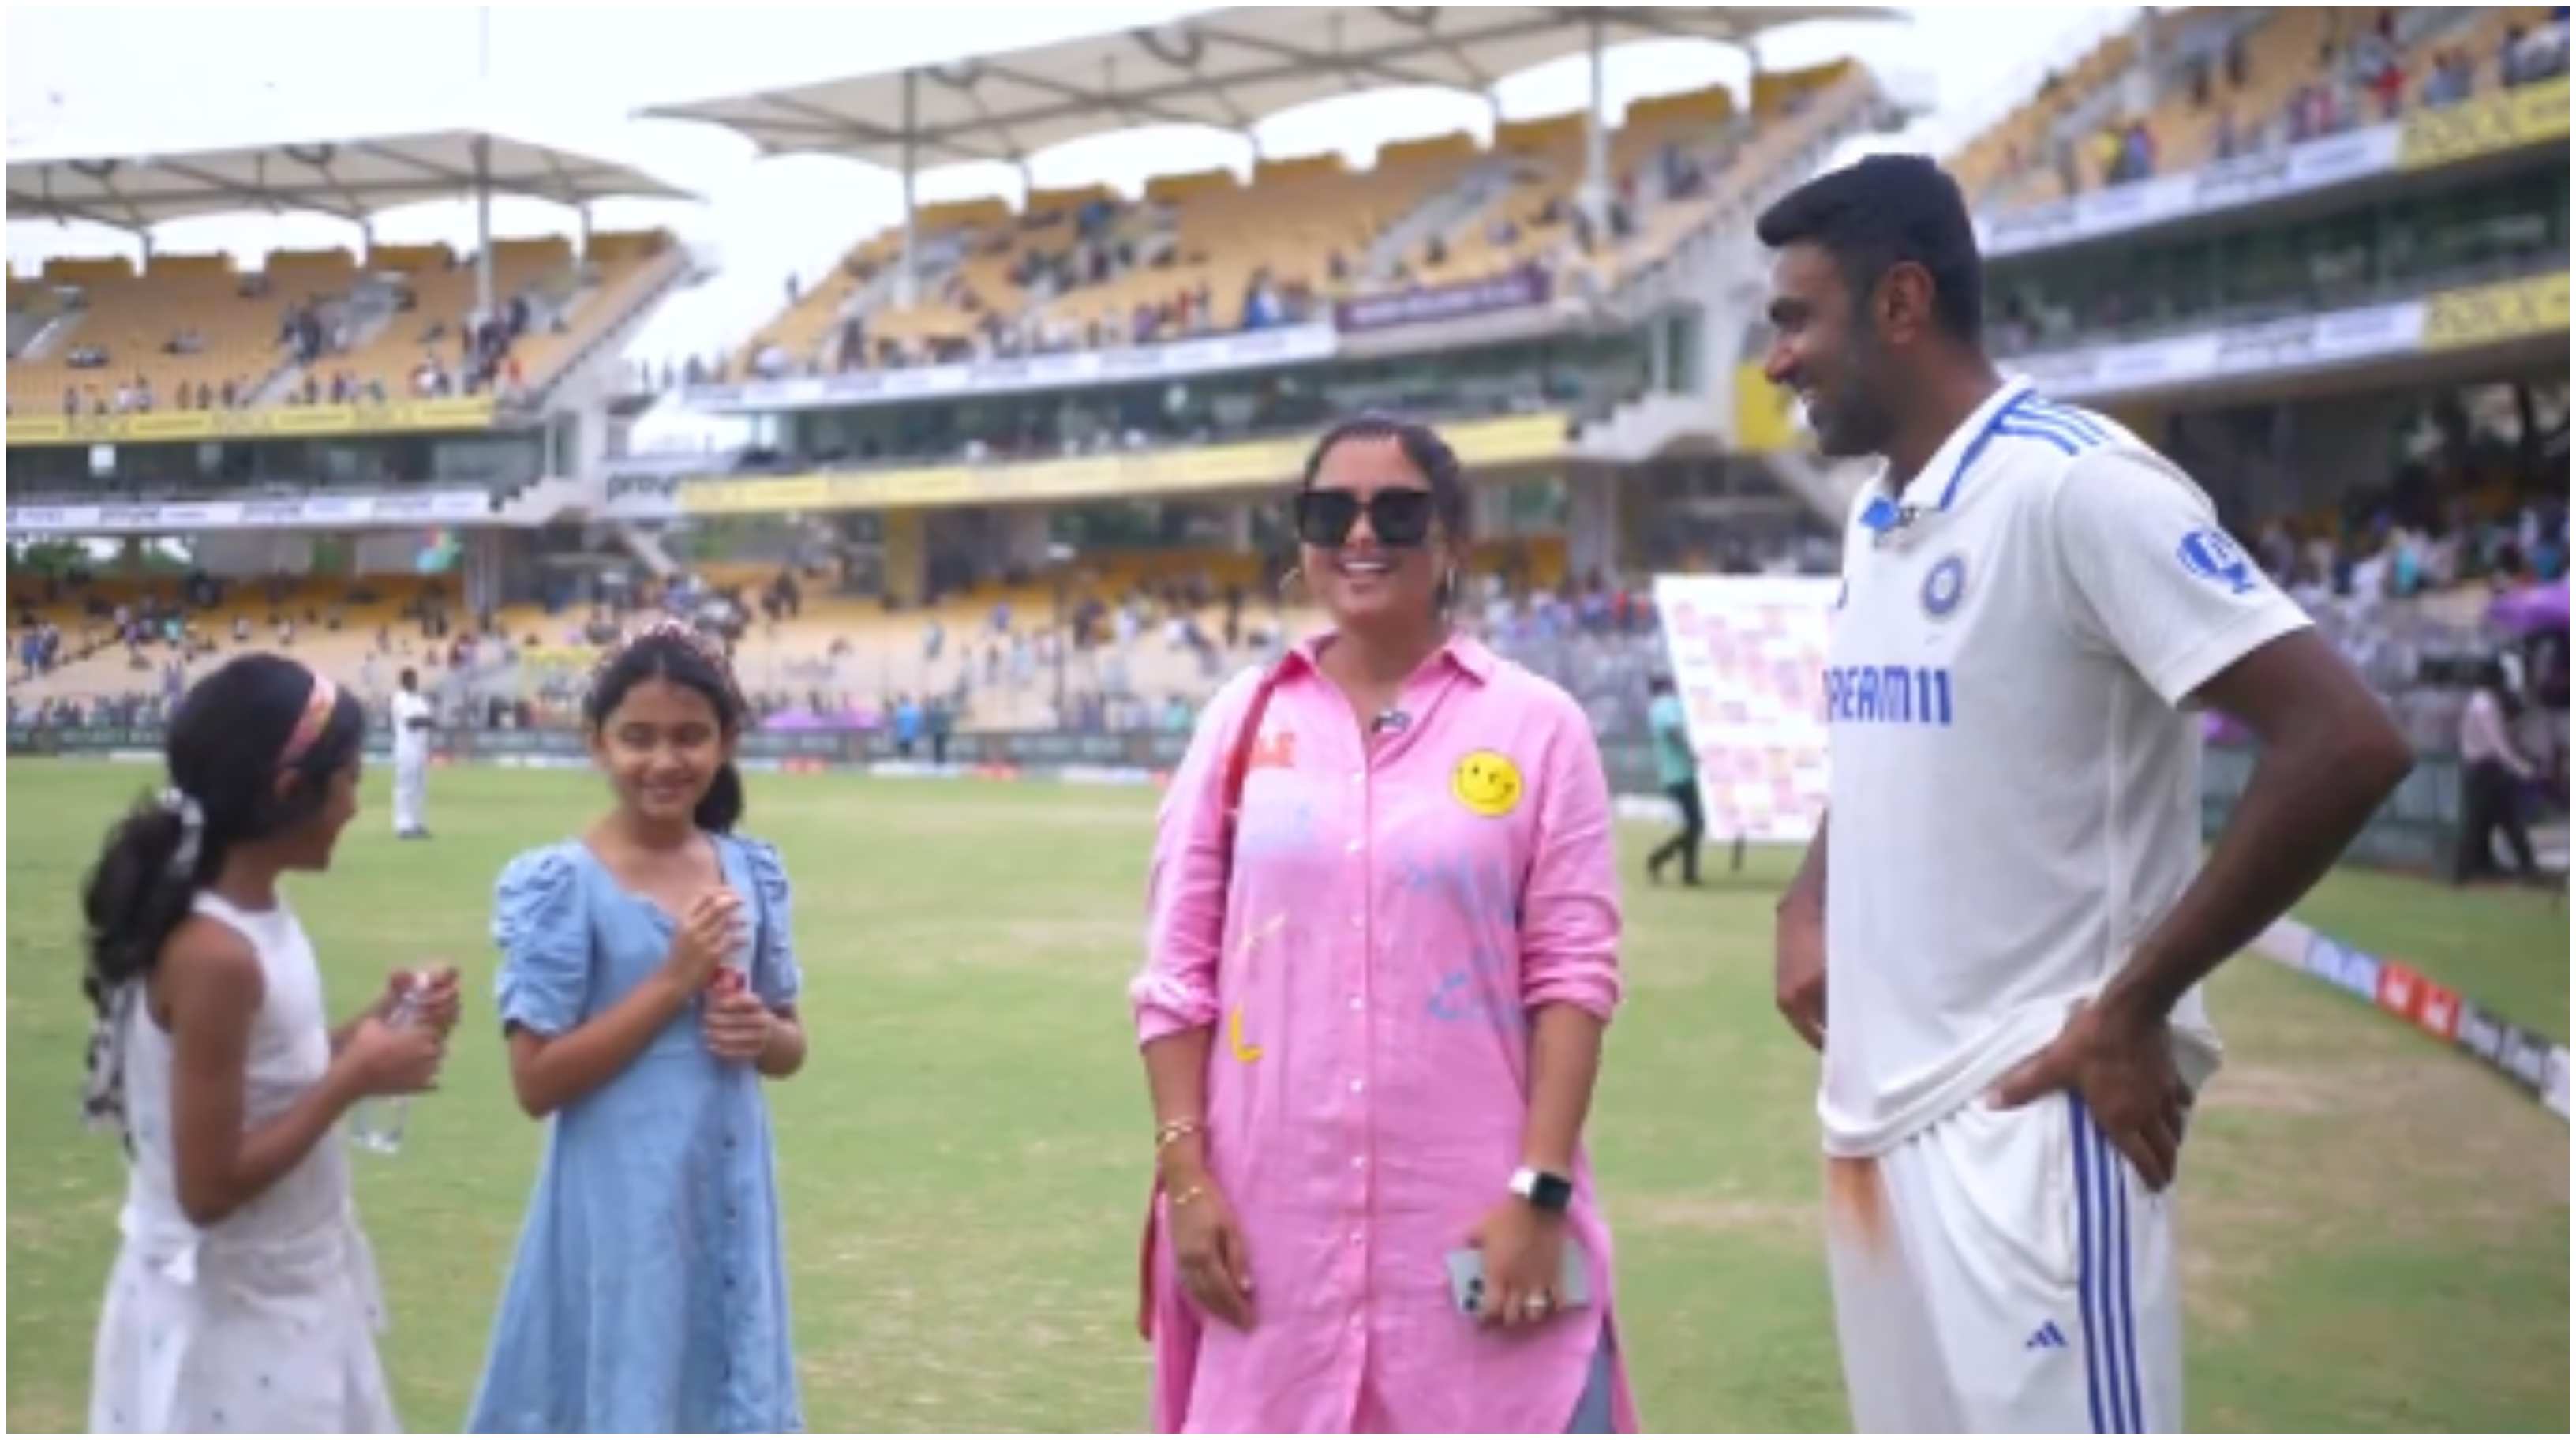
x: 267, y: 1319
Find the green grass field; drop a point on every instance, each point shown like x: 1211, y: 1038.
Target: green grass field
x: 2376, y: 1230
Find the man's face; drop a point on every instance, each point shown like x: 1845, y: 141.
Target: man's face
x: 1825, y: 350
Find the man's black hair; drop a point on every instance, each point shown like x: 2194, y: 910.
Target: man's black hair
x: 1885, y: 210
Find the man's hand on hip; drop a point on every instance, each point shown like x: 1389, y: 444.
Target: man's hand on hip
x: 2122, y: 1066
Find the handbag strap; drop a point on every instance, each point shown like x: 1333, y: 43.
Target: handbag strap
x: 1238, y: 769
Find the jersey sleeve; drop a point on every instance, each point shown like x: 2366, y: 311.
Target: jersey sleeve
x: 2151, y: 576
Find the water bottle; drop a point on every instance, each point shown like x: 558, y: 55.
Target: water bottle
x: 377, y: 1121
x: 733, y: 975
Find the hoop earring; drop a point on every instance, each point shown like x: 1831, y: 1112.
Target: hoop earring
x: 1447, y: 594
x: 1296, y: 575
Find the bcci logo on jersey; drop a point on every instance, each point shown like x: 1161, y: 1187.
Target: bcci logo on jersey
x: 1944, y: 587
x: 2215, y: 558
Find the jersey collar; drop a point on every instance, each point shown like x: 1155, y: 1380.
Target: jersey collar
x: 1936, y: 485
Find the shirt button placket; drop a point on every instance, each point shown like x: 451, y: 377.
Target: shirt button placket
x: 1360, y: 1044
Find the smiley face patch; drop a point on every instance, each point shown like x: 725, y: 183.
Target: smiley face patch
x: 1487, y: 782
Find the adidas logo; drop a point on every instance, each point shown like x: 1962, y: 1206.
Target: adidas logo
x: 2046, y: 1337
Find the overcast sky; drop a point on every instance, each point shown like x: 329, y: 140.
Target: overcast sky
x: 101, y: 79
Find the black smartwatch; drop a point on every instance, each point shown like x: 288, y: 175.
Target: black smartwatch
x: 1548, y: 1194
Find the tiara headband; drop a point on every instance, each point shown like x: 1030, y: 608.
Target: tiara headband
x: 698, y: 642
x: 317, y: 715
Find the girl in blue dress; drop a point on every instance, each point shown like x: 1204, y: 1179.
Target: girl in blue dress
x: 648, y: 985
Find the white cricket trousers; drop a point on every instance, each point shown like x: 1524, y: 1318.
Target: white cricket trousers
x: 2005, y: 1271
x: 411, y: 795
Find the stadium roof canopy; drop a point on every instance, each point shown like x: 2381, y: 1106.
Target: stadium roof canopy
x: 352, y: 179
x: 1223, y: 68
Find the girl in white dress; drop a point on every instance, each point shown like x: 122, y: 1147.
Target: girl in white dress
x: 244, y: 1296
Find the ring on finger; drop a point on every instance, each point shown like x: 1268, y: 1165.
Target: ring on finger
x: 1536, y: 1305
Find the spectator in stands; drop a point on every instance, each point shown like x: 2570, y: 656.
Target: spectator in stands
x: 2230, y: 144
x: 939, y: 720
x: 2388, y: 83
x: 2110, y: 152
x: 71, y: 400
x: 907, y: 725
x: 2528, y: 58
x: 2452, y: 78
x: 2492, y: 770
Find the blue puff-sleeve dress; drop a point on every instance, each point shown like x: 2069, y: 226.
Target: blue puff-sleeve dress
x: 649, y: 1291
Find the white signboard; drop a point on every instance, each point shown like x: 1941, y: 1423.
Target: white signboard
x: 2269, y: 347
x: 288, y: 512
x: 1748, y: 659
x: 1206, y: 355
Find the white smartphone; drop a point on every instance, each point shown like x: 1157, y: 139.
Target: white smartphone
x: 1467, y: 1279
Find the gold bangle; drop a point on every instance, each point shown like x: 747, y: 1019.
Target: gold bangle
x: 1186, y: 1196
x: 1172, y: 1131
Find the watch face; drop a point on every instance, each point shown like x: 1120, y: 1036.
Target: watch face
x: 1542, y: 1190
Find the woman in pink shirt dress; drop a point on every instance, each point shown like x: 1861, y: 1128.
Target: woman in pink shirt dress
x: 1371, y: 1024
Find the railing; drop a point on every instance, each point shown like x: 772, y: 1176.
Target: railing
x: 1777, y: 157
x: 624, y: 303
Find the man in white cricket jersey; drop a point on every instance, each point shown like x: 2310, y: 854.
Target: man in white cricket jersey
x: 1998, y: 935
x: 412, y: 724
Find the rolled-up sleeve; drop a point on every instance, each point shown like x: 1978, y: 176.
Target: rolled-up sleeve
x: 1185, y: 890
x: 1570, y: 905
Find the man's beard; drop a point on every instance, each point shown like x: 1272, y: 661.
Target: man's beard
x: 1858, y: 423
x: 1857, y: 428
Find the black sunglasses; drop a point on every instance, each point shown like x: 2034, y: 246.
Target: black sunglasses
x: 1399, y: 517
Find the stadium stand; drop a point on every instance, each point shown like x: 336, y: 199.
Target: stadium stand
x: 189, y: 328
x: 186, y: 321
x: 2414, y: 565
x: 2222, y: 83
x: 1204, y: 253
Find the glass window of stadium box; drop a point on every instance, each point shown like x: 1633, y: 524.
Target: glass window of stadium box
x: 494, y: 460
x: 48, y: 469
x: 1591, y: 374
x: 2512, y: 222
